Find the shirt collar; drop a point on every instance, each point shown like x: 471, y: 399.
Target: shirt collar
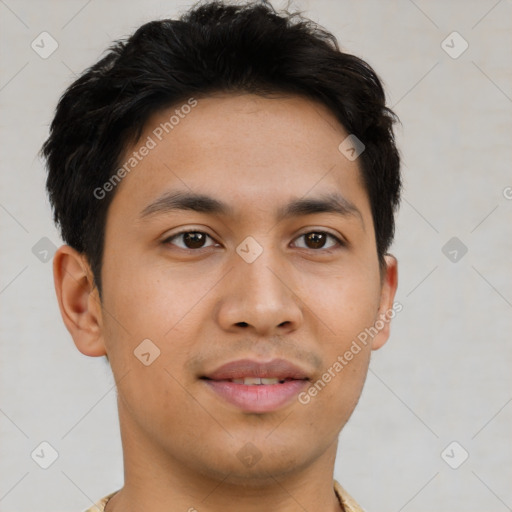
x: 347, y: 502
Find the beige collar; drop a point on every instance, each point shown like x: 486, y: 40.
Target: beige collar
x: 348, y: 503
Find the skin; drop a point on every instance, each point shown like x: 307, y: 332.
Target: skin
x: 202, y: 309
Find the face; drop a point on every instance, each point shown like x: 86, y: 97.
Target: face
x: 272, y: 271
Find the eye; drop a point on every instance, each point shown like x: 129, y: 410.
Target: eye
x: 317, y: 239
x: 194, y: 240
x: 190, y: 239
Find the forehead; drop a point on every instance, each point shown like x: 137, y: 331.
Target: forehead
x: 254, y: 149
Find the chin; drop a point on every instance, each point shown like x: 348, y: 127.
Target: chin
x: 260, y: 471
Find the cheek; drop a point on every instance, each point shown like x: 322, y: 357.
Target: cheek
x: 347, y: 303
x: 149, y: 312
x: 141, y: 301
x: 348, y: 310
x: 327, y: 404
x: 147, y: 349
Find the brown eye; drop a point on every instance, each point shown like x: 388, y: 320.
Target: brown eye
x: 194, y: 239
x: 190, y: 239
x: 318, y: 239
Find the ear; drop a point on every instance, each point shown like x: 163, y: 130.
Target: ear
x: 79, y: 300
x: 387, y: 308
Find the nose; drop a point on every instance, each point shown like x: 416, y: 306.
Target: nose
x: 261, y: 296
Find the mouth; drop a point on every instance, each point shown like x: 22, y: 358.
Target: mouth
x: 257, y: 387
x: 257, y: 381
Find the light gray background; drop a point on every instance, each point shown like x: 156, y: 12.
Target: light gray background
x: 445, y: 374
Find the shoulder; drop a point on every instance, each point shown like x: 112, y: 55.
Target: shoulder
x: 349, y: 503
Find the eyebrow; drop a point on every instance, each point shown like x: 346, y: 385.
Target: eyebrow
x: 180, y: 200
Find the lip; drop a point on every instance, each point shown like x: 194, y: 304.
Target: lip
x: 279, y: 368
x: 257, y: 398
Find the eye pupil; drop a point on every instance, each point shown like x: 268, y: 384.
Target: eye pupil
x: 317, y: 239
x: 194, y: 239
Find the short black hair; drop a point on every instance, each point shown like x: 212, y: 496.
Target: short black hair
x: 215, y: 47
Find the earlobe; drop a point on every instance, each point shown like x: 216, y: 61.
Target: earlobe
x: 78, y: 301
x: 386, y: 310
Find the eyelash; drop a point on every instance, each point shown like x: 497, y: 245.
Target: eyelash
x: 340, y: 242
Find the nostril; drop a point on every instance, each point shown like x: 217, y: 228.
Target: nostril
x: 242, y: 324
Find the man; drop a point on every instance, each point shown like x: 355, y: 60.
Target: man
x: 226, y: 186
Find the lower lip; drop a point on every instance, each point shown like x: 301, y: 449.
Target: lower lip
x: 257, y: 398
